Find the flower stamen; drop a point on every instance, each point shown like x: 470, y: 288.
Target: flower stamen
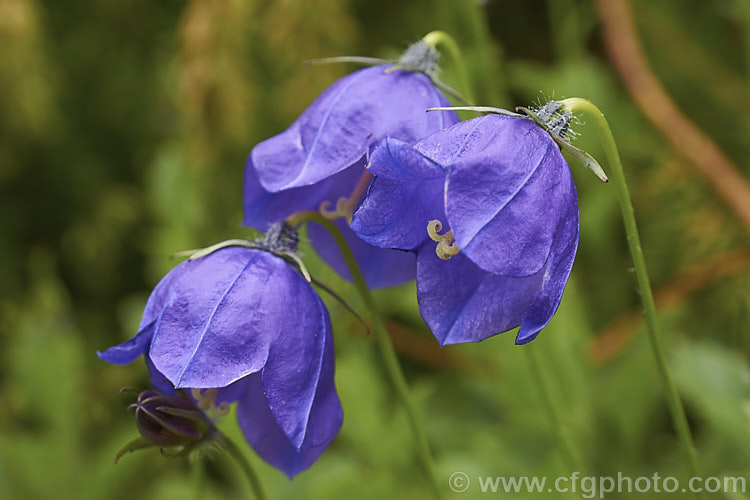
x: 342, y: 209
x: 446, y: 244
x: 206, y: 401
x: 345, y: 206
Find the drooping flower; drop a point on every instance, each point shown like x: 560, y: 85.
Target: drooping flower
x: 503, y: 194
x: 321, y: 156
x: 246, y: 322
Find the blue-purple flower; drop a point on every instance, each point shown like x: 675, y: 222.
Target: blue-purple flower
x: 502, y: 194
x: 246, y: 322
x: 321, y: 156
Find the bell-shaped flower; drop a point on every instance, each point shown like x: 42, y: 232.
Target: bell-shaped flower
x: 501, y: 192
x: 246, y: 322
x: 321, y: 156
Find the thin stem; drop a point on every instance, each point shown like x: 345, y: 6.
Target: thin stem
x: 392, y: 366
x: 571, y: 456
x: 198, y: 478
x: 362, y: 183
x: 441, y: 38
x: 626, y: 207
x: 250, y: 474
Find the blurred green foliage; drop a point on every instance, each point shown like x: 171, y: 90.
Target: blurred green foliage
x: 124, y: 127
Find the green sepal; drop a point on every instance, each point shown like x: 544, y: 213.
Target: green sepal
x: 478, y: 109
x: 582, y: 156
x: 136, y: 444
x: 367, y: 61
x: 287, y: 256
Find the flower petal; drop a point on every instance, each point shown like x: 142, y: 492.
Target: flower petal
x: 505, y: 199
x: 462, y: 303
x: 160, y: 296
x: 233, y: 392
x: 158, y: 380
x: 300, y: 363
x: 406, y: 193
x: 556, y: 273
x: 342, y: 124
x: 225, y: 311
x: 263, y: 208
x: 399, y: 161
x: 128, y: 351
x: 262, y: 431
x: 381, y: 267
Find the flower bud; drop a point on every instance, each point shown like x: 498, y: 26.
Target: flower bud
x: 168, y: 421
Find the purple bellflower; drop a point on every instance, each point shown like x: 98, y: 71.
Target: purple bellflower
x: 501, y: 192
x: 321, y: 157
x: 246, y: 322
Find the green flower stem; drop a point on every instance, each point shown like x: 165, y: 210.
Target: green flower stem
x: 250, y: 474
x: 570, y: 454
x: 198, y: 484
x: 392, y: 365
x: 626, y: 207
x: 441, y: 38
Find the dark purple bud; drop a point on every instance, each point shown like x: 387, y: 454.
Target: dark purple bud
x: 168, y: 421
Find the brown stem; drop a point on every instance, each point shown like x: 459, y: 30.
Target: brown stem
x: 362, y: 184
x: 628, y: 57
x: 622, y: 330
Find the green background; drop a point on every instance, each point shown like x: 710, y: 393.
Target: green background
x: 124, y: 127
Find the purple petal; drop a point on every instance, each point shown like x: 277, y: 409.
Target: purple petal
x: 129, y: 351
x: 556, y: 273
x: 462, y: 303
x: 406, y: 193
x: 380, y: 267
x: 160, y: 296
x: 505, y: 199
x: 158, y: 380
x: 463, y: 139
x: 399, y: 161
x: 263, y: 208
x: 262, y: 431
x: 342, y: 124
x: 225, y: 311
x: 299, y: 363
x: 233, y: 392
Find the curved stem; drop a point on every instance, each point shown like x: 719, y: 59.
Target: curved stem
x: 250, y: 474
x: 620, y: 36
x: 436, y: 38
x: 570, y: 454
x: 390, y: 360
x: 626, y: 207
